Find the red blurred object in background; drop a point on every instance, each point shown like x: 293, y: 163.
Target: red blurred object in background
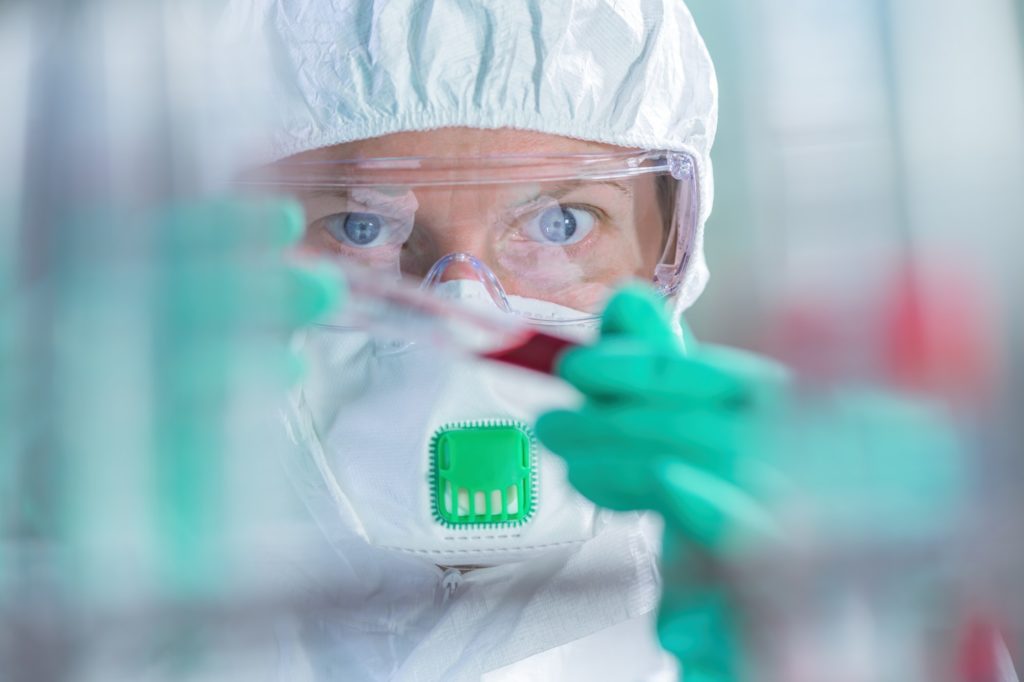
x: 938, y: 335
x: 931, y: 331
x: 983, y: 655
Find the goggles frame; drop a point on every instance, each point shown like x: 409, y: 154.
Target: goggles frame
x: 422, y: 171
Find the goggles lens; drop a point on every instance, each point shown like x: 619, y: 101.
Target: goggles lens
x: 566, y: 230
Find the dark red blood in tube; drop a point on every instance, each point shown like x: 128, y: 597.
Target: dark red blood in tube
x: 537, y: 351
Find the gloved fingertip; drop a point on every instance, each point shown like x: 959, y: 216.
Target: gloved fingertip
x: 586, y: 367
x: 636, y: 309
x: 293, y: 221
x: 544, y: 427
x: 276, y: 222
x: 636, y: 293
x: 551, y: 428
x: 630, y: 368
x: 319, y: 290
x: 748, y: 368
x: 594, y: 486
x: 714, y: 512
x: 569, y: 363
x: 334, y: 281
x: 611, y: 367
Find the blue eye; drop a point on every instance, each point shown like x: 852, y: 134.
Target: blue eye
x: 561, y: 225
x: 557, y: 224
x: 357, y: 229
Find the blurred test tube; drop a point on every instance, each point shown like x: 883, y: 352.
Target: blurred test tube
x: 145, y: 317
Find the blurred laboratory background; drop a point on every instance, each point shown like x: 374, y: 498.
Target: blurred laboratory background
x: 868, y: 153
x: 868, y: 220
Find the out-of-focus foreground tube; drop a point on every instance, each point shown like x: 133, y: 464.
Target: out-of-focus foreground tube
x: 144, y: 338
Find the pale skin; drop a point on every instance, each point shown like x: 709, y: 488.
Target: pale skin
x: 569, y: 242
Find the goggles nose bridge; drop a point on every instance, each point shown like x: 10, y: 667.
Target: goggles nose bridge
x: 462, y: 265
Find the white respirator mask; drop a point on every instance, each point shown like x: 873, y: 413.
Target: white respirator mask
x: 434, y: 456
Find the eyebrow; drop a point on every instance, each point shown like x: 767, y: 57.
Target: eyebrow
x: 561, y: 189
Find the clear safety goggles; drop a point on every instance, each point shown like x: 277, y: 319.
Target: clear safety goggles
x: 564, y: 230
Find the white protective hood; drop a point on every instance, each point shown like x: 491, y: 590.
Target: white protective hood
x: 632, y: 73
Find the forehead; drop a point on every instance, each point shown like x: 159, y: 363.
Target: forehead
x: 459, y: 142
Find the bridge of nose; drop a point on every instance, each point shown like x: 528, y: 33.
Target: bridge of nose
x: 459, y: 225
x: 458, y: 270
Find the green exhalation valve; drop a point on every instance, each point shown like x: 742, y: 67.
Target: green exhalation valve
x: 483, y: 474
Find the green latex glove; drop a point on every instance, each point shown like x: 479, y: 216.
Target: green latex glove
x: 226, y: 287
x: 162, y: 336
x: 664, y: 430
x: 675, y: 433
x: 228, y: 300
x: 715, y: 442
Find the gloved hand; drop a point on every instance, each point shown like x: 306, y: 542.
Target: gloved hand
x: 167, y: 328
x: 664, y: 430
x: 713, y: 441
x: 226, y: 299
x: 225, y: 282
x: 676, y: 433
